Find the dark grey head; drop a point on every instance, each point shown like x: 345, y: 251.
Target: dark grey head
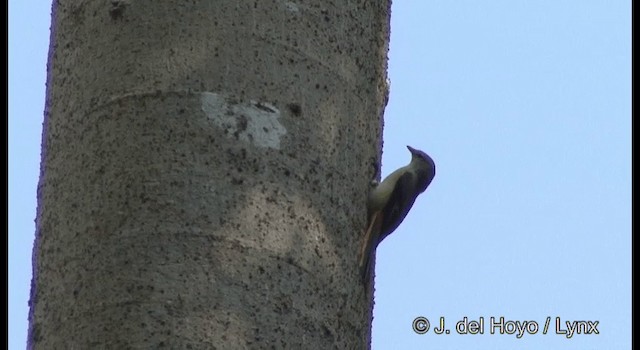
x: 419, y: 155
x: 425, y: 166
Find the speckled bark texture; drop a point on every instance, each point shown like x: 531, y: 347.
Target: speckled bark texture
x: 205, y: 166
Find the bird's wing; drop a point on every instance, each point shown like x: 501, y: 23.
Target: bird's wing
x: 400, y: 202
x: 385, y: 221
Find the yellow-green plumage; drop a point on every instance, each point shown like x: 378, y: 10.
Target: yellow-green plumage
x: 390, y: 202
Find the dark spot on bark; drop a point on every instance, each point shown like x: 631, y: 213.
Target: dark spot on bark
x: 117, y: 9
x: 265, y: 108
x: 295, y: 109
x: 242, y: 122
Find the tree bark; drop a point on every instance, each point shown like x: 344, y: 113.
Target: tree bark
x: 204, y: 173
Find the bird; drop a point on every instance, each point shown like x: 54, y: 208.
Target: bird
x: 389, y: 202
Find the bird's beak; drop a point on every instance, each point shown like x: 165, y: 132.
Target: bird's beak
x: 411, y: 149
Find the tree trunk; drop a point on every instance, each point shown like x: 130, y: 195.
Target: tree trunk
x: 204, y: 173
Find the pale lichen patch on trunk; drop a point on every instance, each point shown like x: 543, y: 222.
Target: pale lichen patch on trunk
x: 254, y: 122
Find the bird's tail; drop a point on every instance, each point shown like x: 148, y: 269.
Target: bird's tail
x: 368, y: 247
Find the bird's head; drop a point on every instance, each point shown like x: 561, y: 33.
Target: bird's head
x: 426, y: 165
x: 418, y: 155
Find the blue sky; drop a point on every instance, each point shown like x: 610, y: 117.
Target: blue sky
x: 525, y: 106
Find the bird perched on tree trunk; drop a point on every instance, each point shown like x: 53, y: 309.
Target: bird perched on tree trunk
x: 390, y: 201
